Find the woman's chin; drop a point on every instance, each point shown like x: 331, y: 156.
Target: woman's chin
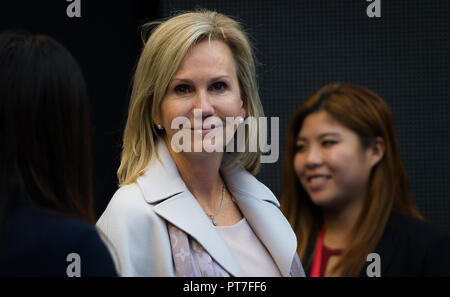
x: 200, y: 146
x: 322, y: 200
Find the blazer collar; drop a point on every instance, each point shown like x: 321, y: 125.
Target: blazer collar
x: 161, y: 180
x: 162, y: 170
x: 162, y: 185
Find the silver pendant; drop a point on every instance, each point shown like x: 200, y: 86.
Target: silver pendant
x: 214, y: 220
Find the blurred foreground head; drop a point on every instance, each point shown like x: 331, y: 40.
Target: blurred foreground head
x: 44, y: 123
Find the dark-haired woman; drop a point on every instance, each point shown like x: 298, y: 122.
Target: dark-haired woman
x: 346, y: 193
x: 46, y: 203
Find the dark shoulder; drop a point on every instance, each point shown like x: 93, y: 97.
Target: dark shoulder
x: 415, y: 230
x: 412, y: 247
x: 41, y: 242
x: 43, y: 226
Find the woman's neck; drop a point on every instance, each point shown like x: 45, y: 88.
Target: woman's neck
x: 339, y: 223
x: 201, y: 175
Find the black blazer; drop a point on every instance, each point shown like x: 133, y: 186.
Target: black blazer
x: 410, y: 247
x: 36, y: 242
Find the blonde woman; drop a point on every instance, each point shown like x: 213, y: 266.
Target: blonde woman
x: 195, y: 212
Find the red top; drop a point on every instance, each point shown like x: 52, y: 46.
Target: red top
x: 321, y: 256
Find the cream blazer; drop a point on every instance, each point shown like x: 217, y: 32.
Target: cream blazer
x: 135, y: 220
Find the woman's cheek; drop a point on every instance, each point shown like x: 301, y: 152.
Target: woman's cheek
x: 299, y: 166
x: 337, y: 160
x: 342, y: 166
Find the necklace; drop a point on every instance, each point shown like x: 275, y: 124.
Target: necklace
x: 212, y: 216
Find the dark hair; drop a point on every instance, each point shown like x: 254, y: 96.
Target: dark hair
x: 368, y: 115
x: 44, y: 126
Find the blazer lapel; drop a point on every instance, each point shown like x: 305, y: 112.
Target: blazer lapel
x: 161, y: 180
x: 184, y: 212
x: 387, y: 244
x: 163, y: 187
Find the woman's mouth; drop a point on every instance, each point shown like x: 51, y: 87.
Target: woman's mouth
x: 206, y: 130
x: 317, y: 182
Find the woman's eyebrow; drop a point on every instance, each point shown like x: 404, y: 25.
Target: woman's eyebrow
x: 184, y: 80
x: 335, y: 134
x: 189, y: 81
x: 220, y: 77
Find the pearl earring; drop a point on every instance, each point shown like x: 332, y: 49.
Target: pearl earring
x: 241, y: 120
x: 159, y: 127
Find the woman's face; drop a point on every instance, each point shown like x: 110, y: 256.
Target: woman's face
x: 205, y: 81
x: 330, y: 161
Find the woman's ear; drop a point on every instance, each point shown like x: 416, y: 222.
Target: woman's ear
x: 156, y: 118
x: 243, y: 111
x: 157, y: 122
x: 376, y: 150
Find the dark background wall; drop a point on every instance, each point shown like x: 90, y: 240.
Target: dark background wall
x: 301, y: 45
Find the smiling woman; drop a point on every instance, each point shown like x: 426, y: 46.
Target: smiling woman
x: 346, y: 194
x: 195, y: 212
x: 205, y: 81
x: 346, y: 164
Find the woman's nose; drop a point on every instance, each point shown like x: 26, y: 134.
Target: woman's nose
x: 313, y: 157
x: 203, y: 103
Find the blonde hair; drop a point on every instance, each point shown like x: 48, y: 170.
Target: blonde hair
x: 162, y: 54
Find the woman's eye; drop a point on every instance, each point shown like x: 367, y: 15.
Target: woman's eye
x: 328, y: 143
x: 218, y: 86
x: 299, y: 148
x: 182, y: 89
